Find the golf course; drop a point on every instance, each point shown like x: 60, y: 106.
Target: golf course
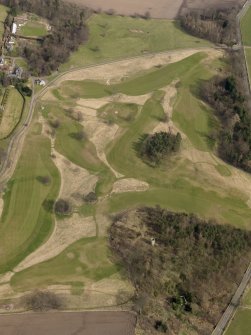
x: 133, y: 78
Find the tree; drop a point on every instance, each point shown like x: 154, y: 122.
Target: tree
x: 62, y: 207
x: 42, y: 301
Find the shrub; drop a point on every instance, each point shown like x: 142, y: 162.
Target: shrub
x: 42, y: 301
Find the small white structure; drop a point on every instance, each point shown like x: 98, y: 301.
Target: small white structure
x: 40, y: 82
x: 153, y: 241
x: 14, y: 28
x: 1, y: 61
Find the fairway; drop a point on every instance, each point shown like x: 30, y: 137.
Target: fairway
x: 25, y: 223
x: 114, y: 37
x: 12, y: 112
x: 241, y: 323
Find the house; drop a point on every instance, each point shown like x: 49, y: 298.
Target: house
x: 14, y: 28
x: 40, y: 82
x: 17, y: 73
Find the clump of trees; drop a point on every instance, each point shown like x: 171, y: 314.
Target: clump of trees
x: 68, y: 32
x: 62, y: 207
x: 158, y: 146
x: 216, y: 25
x: 192, y: 269
x: 39, y: 301
x: 234, y: 138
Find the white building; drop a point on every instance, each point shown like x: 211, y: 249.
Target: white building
x: 14, y: 28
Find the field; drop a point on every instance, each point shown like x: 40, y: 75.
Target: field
x: 12, y: 112
x: 113, y: 37
x: 241, y: 323
x: 246, y: 38
x: 161, y: 9
x: 34, y: 29
x: 3, y: 14
x: 95, y: 323
x: 246, y: 29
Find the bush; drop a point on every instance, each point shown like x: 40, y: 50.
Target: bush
x: 62, y: 207
x: 55, y: 123
x: 42, y: 301
x: 45, y: 180
x: 91, y: 197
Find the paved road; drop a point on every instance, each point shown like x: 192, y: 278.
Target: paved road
x: 68, y: 323
x: 229, y: 312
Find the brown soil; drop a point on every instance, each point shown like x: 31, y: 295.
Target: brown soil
x: 81, y: 323
x: 157, y: 9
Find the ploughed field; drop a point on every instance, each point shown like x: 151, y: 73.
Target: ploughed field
x: 94, y: 323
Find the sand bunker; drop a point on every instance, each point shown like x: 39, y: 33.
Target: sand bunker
x: 65, y: 233
x: 129, y: 185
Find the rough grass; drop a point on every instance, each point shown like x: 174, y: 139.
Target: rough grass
x: 12, y: 112
x: 33, y: 29
x: 25, y: 224
x: 246, y: 28
x: 114, y: 37
x: 248, y: 57
x: 241, y: 323
x: 84, y: 261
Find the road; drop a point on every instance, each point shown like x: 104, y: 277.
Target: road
x: 229, y: 312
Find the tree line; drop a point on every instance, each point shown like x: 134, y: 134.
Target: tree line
x: 68, y: 32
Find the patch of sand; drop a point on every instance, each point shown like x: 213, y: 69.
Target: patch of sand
x: 76, y: 182
x: 66, y: 232
x: 129, y: 185
x: 113, y: 72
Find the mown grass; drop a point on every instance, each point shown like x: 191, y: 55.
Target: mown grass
x: 33, y: 29
x: 12, y: 112
x: 114, y: 37
x: 246, y: 28
x: 241, y: 323
x: 25, y: 223
x: 85, y: 260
